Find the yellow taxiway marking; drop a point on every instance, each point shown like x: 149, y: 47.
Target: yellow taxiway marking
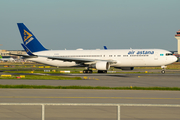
x: 85, y: 77
x: 87, y: 97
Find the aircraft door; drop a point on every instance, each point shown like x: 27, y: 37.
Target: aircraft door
x: 156, y: 56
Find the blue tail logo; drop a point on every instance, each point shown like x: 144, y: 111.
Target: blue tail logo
x: 29, y: 40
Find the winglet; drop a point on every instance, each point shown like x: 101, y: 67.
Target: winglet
x: 105, y: 47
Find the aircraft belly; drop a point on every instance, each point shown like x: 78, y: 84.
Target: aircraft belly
x: 126, y: 62
x: 52, y: 62
x: 138, y: 62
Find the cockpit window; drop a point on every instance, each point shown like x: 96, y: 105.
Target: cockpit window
x: 167, y: 54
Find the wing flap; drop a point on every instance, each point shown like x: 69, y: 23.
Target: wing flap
x: 78, y: 60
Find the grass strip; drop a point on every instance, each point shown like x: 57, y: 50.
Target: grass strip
x: 43, y: 77
x: 38, y: 71
x: 72, y: 72
x: 89, y: 87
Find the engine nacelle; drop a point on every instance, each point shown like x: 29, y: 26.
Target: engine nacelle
x: 102, y: 65
x: 125, y: 68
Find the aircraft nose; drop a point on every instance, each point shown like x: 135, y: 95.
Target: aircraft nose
x: 174, y: 58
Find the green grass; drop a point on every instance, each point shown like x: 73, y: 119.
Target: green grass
x: 76, y: 72
x: 88, y: 87
x: 41, y: 71
x: 43, y: 77
x: 27, y: 68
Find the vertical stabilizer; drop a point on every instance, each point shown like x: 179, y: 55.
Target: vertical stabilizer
x: 29, y: 40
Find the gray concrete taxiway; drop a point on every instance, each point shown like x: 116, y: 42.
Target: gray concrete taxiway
x: 88, y: 112
x: 93, y: 96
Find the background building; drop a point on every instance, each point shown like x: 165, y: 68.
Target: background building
x: 4, y: 53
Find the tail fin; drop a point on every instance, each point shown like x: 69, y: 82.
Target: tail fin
x: 30, y: 41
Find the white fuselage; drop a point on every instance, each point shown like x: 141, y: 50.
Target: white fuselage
x: 123, y: 57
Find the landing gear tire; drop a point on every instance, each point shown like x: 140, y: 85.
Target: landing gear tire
x: 87, y: 71
x: 102, y: 71
x: 163, y: 71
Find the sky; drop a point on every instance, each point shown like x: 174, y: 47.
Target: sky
x: 91, y: 24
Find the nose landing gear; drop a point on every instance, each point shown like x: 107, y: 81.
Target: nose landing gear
x: 163, y: 69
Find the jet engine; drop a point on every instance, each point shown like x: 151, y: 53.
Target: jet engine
x: 102, y: 65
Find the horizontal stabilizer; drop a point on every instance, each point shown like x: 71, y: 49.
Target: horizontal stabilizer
x: 26, y: 56
x: 26, y: 49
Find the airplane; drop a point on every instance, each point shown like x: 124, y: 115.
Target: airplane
x: 102, y: 60
x: 6, y: 59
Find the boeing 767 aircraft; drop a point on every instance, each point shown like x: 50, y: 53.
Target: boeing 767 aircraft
x: 102, y: 60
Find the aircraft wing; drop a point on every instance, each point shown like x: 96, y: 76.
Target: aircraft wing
x: 78, y: 60
x: 26, y: 56
x: 68, y: 59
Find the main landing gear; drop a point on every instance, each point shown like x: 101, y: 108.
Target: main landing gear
x: 163, y: 69
x: 102, y: 71
x: 87, y: 71
x: 90, y: 71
